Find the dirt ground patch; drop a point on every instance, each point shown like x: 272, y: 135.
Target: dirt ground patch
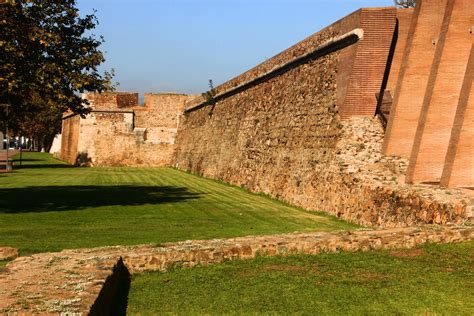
x: 372, y: 276
x: 283, y: 267
x: 271, y: 268
x: 407, y: 253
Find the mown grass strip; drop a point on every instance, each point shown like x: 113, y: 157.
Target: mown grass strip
x: 48, y: 206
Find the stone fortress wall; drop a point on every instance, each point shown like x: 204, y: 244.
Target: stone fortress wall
x: 300, y: 127
x: 296, y: 136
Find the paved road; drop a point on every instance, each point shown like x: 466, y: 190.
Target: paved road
x: 11, y: 153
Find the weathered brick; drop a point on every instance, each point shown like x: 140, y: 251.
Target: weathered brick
x: 459, y: 165
x: 413, y: 77
x: 442, y: 94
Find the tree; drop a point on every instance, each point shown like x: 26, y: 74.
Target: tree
x: 405, y: 3
x: 47, y: 59
x: 41, y: 124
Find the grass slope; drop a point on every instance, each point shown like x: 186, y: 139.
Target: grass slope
x: 48, y: 206
x: 434, y: 279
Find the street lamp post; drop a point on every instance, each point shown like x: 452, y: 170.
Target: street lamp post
x: 7, y: 106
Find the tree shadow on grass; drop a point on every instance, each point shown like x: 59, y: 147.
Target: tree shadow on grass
x: 28, y: 159
x: 33, y: 163
x: 42, y: 166
x: 67, y: 198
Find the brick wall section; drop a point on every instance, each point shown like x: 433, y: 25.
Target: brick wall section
x: 459, y: 165
x: 370, y: 62
x: 69, y: 139
x: 404, y: 18
x: 413, y: 78
x: 442, y: 94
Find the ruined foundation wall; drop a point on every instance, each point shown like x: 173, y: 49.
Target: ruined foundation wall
x: 102, y: 278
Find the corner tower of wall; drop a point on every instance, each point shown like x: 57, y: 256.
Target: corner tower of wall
x: 118, y: 132
x: 413, y: 78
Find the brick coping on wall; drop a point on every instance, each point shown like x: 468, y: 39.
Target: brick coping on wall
x: 93, y: 280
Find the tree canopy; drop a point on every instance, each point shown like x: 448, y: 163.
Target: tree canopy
x: 48, y: 57
x: 405, y: 3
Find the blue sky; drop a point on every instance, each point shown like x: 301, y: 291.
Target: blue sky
x: 178, y: 45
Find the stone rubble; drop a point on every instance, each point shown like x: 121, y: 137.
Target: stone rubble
x: 8, y: 253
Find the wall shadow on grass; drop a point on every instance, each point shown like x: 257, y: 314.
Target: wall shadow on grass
x: 67, y: 198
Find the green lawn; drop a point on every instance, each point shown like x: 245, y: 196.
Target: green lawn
x: 48, y: 206
x: 431, y: 280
